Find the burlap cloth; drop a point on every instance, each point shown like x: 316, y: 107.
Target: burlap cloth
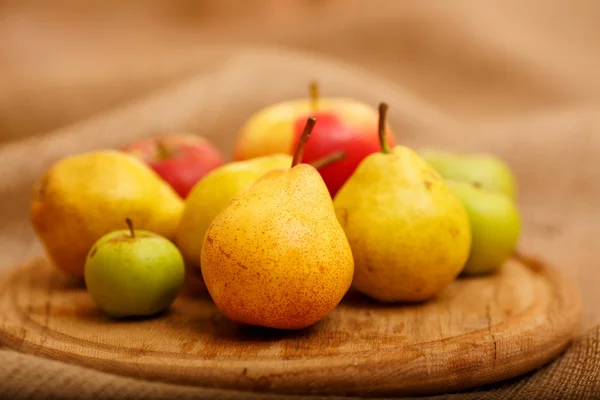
x: 554, y: 152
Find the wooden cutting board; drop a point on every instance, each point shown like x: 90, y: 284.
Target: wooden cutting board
x: 478, y: 331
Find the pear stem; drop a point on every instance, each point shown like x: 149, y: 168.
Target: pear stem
x: 163, y: 152
x: 313, y: 89
x: 383, y: 108
x: 310, y: 123
x: 328, y: 159
x: 130, y: 226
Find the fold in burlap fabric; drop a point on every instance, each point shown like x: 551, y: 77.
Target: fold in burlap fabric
x: 488, y: 86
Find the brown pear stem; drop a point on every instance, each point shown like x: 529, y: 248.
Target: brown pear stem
x: 130, y: 226
x: 328, y: 159
x: 313, y: 89
x: 163, y: 152
x: 310, y: 123
x: 383, y: 108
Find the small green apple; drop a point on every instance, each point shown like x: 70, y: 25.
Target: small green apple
x: 495, y: 226
x: 486, y: 170
x: 133, y: 273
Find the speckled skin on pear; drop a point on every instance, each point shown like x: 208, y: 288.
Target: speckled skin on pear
x: 83, y: 197
x: 277, y: 256
x: 409, y: 233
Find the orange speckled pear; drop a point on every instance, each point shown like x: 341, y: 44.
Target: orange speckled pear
x: 409, y: 233
x: 277, y: 256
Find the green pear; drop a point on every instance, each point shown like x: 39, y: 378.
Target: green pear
x: 486, y: 170
x: 408, y: 231
x: 133, y: 273
x: 495, y: 226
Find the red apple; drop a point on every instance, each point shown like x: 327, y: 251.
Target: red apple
x: 181, y: 159
x: 343, y: 124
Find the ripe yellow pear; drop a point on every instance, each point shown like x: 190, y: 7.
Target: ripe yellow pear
x: 277, y: 256
x: 81, y: 198
x: 409, y: 233
x: 212, y: 194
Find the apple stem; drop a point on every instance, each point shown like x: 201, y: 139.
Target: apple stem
x: 313, y: 89
x: 328, y: 159
x: 310, y: 123
x: 163, y: 152
x: 41, y: 191
x: 130, y: 226
x: 383, y: 108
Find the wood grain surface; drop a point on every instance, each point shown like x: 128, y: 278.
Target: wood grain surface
x: 478, y: 331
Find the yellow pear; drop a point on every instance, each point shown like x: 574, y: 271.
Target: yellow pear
x: 212, y: 194
x: 277, y: 256
x: 81, y: 198
x: 409, y: 233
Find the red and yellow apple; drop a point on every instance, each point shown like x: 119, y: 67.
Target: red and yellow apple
x: 181, y: 159
x: 343, y: 124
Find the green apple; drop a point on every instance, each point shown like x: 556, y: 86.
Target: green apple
x: 486, y: 170
x: 133, y: 273
x: 495, y: 226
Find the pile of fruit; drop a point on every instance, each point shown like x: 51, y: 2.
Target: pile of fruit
x: 315, y: 201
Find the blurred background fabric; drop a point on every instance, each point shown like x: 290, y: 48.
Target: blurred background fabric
x: 64, y: 60
x: 517, y: 78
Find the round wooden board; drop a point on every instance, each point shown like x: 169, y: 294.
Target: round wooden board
x: 478, y: 331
